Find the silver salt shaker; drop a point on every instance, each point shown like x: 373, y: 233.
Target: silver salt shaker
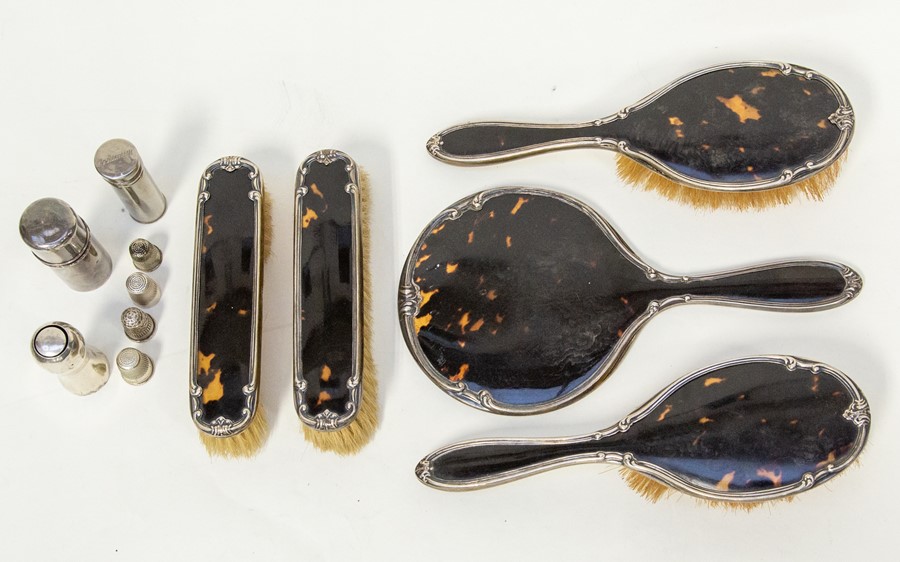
x: 59, y: 348
x: 119, y: 163
x: 62, y: 241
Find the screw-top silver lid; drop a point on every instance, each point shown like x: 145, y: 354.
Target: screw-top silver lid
x: 50, y: 342
x: 138, y: 325
x: 136, y: 367
x: 53, y: 231
x: 119, y: 163
x: 145, y: 255
x: 142, y: 289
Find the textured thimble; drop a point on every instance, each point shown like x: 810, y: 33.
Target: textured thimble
x: 136, y: 367
x: 145, y: 255
x: 138, y: 325
x: 142, y: 289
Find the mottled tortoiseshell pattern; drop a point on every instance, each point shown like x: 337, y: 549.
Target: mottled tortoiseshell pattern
x: 749, y: 427
x: 528, y: 297
x: 226, y: 357
x: 735, y: 125
x: 327, y: 228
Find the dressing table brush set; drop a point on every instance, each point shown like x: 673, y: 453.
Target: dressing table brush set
x: 515, y: 300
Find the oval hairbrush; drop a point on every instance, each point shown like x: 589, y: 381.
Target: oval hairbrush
x: 742, y: 135
x: 744, y: 431
x: 520, y: 300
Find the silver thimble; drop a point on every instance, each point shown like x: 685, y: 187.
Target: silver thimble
x: 142, y: 289
x: 145, y: 255
x: 138, y: 325
x: 119, y: 163
x: 136, y: 367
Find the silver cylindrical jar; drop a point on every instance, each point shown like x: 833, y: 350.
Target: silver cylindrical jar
x: 59, y: 348
x: 119, y: 163
x: 61, y: 240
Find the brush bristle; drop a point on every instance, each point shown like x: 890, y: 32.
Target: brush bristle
x: 654, y: 491
x: 814, y: 187
x: 267, y: 231
x: 245, y: 444
x: 350, y: 439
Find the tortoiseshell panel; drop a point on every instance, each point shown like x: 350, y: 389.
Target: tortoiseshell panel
x: 528, y: 297
x: 736, y: 125
x: 747, y: 427
x: 225, y: 309
x: 326, y: 230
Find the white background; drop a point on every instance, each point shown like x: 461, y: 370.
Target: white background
x: 121, y: 474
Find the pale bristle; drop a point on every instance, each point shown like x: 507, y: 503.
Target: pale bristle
x: 267, y: 231
x: 655, y: 491
x: 814, y: 187
x: 245, y: 444
x: 647, y: 487
x: 353, y: 437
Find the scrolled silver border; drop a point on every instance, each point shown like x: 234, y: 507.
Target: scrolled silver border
x: 410, y: 296
x: 842, y: 118
x: 861, y: 418
x: 328, y: 420
x: 222, y: 426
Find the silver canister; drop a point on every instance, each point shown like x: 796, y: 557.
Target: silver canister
x: 59, y: 348
x: 119, y: 163
x: 136, y: 367
x: 61, y: 240
x: 142, y: 289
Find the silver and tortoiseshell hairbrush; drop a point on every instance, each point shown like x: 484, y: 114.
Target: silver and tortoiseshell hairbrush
x: 741, y: 432
x: 742, y: 135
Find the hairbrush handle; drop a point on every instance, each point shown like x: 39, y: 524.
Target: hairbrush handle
x: 487, y: 142
x: 799, y: 286
x: 489, y: 462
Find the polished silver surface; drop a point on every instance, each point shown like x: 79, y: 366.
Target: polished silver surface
x: 858, y: 414
x: 119, y: 163
x: 328, y: 420
x: 137, y: 324
x: 221, y: 426
x: 142, y: 289
x: 842, y: 118
x: 60, y: 349
x: 409, y: 298
x: 61, y: 240
x: 145, y: 255
x: 135, y: 366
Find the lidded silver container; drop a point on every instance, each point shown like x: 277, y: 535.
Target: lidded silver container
x: 119, y: 163
x: 61, y: 240
x: 59, y: 348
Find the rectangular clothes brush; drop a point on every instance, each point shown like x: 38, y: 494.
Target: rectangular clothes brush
x: 227, y: 305
x: 334, y: 376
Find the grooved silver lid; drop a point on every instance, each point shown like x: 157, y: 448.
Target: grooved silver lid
x: 118, y: 161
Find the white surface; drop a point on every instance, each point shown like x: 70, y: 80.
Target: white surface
x: 122, y: 475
